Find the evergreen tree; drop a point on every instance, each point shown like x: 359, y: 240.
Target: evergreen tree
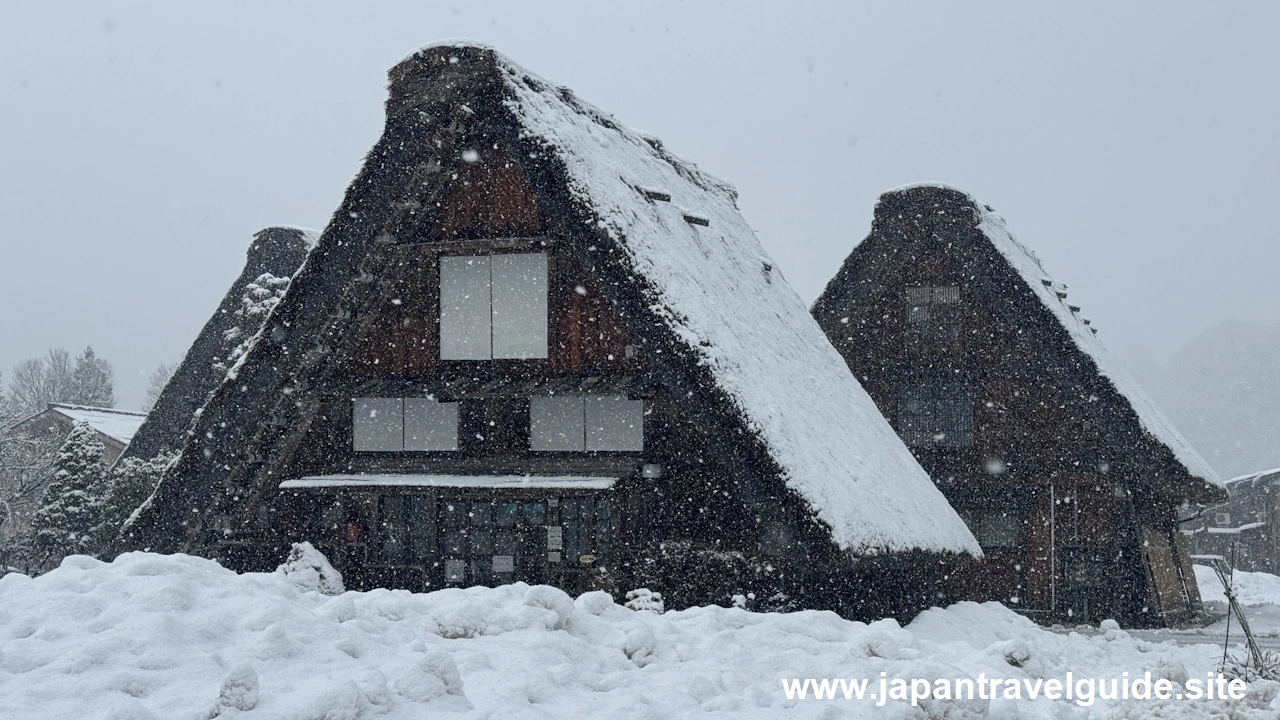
x: 71, y: 508
x: 92, y: 382
x: 129, y: 484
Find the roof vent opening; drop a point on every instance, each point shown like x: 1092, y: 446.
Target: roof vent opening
x: 1074, y: 308
x: 1093, y: 330
x: 694, y: 219
x: 656, y: 194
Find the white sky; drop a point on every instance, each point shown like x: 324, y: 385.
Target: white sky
x: 1134, y: 146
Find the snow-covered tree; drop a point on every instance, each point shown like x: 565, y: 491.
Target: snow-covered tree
x: 156, y: 384
x: 260, y: 298
x: 26, y: 462
x: 92, y: 381
x: 128, y: 485
x: 71, y: 509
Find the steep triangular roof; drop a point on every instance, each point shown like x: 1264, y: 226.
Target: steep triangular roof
x: 277, y: 251
x: 679, y: 256
x: 118, y: 425
x: 1050, y: 296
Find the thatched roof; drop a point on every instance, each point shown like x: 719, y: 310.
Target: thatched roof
x: 1086, y: 349
x: 695, y: 285
x: 278, y: 250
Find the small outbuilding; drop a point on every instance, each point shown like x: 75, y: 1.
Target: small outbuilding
x: 535, y: 345
x: 1067, y: 472
x: 1243, y: 529
x: 46, y: 431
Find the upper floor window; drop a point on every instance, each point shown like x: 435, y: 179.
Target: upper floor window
x: 398, y: 424
x: 933, y: 314
x: 994, y: 526
x: 594, y: 423
x: 936, y: 413
x: 493, y: 307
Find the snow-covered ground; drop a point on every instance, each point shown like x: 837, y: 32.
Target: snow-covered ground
x: 1258, y: 592
x: 1252, y: 588
x: 177, y: 637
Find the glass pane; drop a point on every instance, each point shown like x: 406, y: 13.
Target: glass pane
x: 614, y: 423
x: 430, y: 425
x: 507, y: 512
x: 573, y: 541
x: 1000, y: 529
x: 394, y: 530
x: 481, y: 513
x: 535, y: 514
x: 604, y: 526
x: 455, y: 513
x: 422, y: 529
x: 455, y: 570
x: 454, y: 542
x: 377, y: 424
x: 520, y: 306
x: 480, y: 571
x: 464, y: 308
x: 481, y: 542
x: 506, y: 542
x: 555, y: 423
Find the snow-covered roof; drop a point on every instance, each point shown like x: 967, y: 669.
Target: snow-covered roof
x: 709, y: 279
x: 1052, y: 295
x: 506, y: 482
x: 1265, y: 476
x: 116, y: 424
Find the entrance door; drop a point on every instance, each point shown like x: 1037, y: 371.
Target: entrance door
x: 483, y: 542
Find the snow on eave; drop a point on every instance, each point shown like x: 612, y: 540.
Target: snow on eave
x: 1251, y: 478
x: 742, y: 322
x: 1028, y: 266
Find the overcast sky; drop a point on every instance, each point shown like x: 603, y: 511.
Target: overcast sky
x: 1134, y: 146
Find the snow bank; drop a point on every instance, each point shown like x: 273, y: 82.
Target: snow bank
x: 1252, y: 588
x: 177, y: 637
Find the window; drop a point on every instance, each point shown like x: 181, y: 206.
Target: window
x: 936, y: 413
x: 587, y: 527
x: 933, y: 315
x: 493, y: 307
x: 994, y: 527
x: 407, y: 528
x: 397, y: 424
x: 598, y: 423
x: 489, y: 543
x: 377, y: 424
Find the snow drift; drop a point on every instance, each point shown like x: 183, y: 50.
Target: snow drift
x: 176, y: 637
